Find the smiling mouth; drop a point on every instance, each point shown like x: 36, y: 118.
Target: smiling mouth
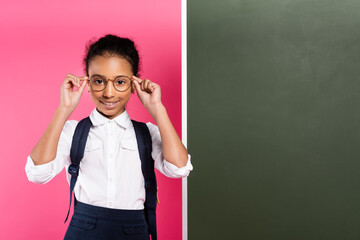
x: 109, y: 104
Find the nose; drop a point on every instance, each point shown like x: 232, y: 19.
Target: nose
x: 109, y: 90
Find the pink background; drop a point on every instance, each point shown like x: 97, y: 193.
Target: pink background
x: 42, y: 41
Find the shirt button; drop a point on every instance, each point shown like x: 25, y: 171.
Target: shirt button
x: 110, y: 204
x: 110, y: 180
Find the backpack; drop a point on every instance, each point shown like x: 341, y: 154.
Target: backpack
x: 144, y: 143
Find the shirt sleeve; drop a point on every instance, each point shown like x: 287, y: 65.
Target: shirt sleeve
x: 165, y: 167
x: 45, y: 172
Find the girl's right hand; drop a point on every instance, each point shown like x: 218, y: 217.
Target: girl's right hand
x: 69, y: 98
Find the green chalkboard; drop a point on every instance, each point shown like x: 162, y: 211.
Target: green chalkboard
x: 274, y: 119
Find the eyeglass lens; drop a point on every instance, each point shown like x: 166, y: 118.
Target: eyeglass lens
x: 121, y: 83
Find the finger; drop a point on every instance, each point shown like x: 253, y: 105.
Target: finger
x: 70, y: 75
x: 83, y: 77
x: 72, y: 80
x: 137, y: 86
x: 152, y: 86
x: 147, y: 84
x: 82, y: 86
x: 137, y: 79
x: 75, y: 81
x: 78, y: 82
x: 70, y: 83
x: 142, y: 85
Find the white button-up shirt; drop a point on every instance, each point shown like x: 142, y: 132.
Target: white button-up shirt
x: 110, y: 172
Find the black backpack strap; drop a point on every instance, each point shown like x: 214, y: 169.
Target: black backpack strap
x: 77, y: 153
x: 144, y: 143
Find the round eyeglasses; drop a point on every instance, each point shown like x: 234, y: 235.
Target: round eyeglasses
x: 98, y: 83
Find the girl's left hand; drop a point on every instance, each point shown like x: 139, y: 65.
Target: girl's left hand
x: 148, y: 92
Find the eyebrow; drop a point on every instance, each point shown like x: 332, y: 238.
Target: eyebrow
x: 99, y: 75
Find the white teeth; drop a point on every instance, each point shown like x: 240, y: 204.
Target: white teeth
x: 109, y: 104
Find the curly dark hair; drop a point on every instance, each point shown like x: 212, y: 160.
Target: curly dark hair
x: 112, y: 45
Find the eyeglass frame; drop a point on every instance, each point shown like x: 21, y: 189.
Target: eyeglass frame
x: 109, y: 79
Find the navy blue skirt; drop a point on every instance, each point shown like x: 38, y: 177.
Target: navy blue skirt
x: 92, y: 222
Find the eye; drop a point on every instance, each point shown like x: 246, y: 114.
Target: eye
x: 98, y: 81
x: 120, y: 82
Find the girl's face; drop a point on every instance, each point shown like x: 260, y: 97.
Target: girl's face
x: 110, y: 102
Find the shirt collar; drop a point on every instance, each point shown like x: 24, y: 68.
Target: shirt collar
x: 123, y: 120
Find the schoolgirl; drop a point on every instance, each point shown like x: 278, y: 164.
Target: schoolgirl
x: 109, y: 191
